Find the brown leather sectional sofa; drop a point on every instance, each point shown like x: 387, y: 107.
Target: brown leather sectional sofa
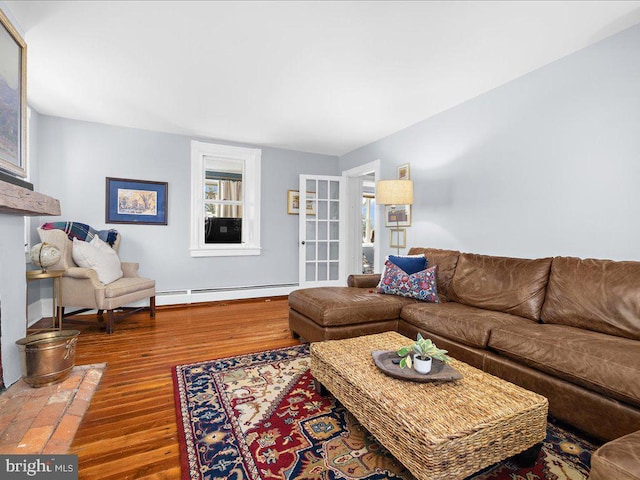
x: 564, y: 327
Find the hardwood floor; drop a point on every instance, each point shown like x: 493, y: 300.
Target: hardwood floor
x: 129, y: 431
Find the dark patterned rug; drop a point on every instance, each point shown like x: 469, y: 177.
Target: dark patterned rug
x: 259, y: 416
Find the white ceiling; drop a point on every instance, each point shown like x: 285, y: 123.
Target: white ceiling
x: 323, y: 77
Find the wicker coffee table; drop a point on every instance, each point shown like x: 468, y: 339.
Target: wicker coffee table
x: 444, y: 430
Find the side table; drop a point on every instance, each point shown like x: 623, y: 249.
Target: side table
x: 55, y: 275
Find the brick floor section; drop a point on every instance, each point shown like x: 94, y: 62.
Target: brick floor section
x: 45, y: 419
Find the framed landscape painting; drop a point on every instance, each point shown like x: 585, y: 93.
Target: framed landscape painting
x: 397, y: 216
x: 13, y: 99
x: 136, y: 201
x: 293, y: 202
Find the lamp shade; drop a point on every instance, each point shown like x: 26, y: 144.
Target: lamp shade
x: 394, y: 192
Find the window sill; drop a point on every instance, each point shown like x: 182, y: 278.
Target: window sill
x: 225, y: 251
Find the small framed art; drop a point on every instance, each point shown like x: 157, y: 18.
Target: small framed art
x: 136, y: 201
x: 293, y: 202
x: 398, y: 237
x: 404, y: 172
x: 397, y: 216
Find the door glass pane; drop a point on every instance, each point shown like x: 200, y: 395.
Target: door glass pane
x: 322, y: 271
x: 322, y: 231
x: 334, y: 271
x: 310, y: 273
x: 335, y: 190
x: 334, y: 230
x: 323, y: 190
x: 322, y: 210
x: 311, y: 230
x: 334, y: 251
x: 310, y: 204
x: 310, y: 248
x: 311, y: 186
x: 335, y: 210
x: 322, y: 251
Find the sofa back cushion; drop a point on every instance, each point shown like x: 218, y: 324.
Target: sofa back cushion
x: 510, y: 285
x: 597, y: 295
x: 446, y: 261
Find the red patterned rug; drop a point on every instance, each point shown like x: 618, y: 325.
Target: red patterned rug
x: 259, y: 417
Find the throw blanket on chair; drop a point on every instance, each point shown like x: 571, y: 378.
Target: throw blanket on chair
x: 82, y: 231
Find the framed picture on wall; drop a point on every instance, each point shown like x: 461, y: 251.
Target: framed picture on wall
x: 293, y: 202
x: 398, y: 237
x: 397, y: 216
x: 13, y: 99
x: 404, y: 172
x: 136, y: 201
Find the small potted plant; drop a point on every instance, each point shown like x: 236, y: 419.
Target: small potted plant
x: 420, y: 353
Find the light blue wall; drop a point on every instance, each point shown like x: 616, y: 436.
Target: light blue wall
x: 12, y: 293
x: 547, y: 164
x: 12, y: 278
x: 75, y: 157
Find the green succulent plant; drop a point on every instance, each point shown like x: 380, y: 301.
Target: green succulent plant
x: 424, y: 348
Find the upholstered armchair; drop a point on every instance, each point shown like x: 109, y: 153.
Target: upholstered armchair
x: 82, y: 288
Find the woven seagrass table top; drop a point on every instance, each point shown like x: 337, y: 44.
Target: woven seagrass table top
x: 466, y: 417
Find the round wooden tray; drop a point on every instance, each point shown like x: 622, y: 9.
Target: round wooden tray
x: 440, y: 371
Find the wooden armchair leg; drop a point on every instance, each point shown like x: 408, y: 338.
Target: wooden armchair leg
x: 110, y: 321
x: 59, y: 316
x: 152, y: 306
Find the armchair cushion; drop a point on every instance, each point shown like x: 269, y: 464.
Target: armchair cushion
x: 127, y: 285
x: 98, y: 256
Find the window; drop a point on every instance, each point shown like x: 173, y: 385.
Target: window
x: 368, y: 218
x: 225, y: 200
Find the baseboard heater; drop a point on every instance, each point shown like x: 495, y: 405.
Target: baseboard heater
x: 186, y: 296
x: 195, y: 295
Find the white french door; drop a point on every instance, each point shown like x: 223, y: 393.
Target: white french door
x: 322, y: 231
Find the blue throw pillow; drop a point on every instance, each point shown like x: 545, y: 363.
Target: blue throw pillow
x: 409, y: 263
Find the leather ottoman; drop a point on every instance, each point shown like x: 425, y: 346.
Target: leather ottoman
x: 333, y: 313
x: 619, y: 459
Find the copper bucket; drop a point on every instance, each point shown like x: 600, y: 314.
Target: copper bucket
x: 47, y: 358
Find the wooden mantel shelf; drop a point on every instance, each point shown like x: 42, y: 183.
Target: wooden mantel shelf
x: 16, y: 200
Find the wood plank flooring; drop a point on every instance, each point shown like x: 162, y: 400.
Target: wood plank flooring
x: 129, y: 431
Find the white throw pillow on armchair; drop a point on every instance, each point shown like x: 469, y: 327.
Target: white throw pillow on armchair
x: 98, y: 256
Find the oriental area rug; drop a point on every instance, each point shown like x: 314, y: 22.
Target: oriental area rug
x: 259, y: 417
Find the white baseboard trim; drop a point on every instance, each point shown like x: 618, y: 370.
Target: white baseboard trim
x: 43, y: 307
x: 39, y: 309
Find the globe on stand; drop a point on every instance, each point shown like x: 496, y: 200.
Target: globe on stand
x: 44, y: 255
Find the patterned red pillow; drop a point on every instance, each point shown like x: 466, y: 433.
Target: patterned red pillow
x: 420, y: 285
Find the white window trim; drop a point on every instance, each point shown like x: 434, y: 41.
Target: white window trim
x: 251, y: 210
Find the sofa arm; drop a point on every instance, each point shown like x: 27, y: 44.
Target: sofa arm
x: 619, y: 459
x: 83, y: 273
x: 364, y: 281
x: 130, y: 269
